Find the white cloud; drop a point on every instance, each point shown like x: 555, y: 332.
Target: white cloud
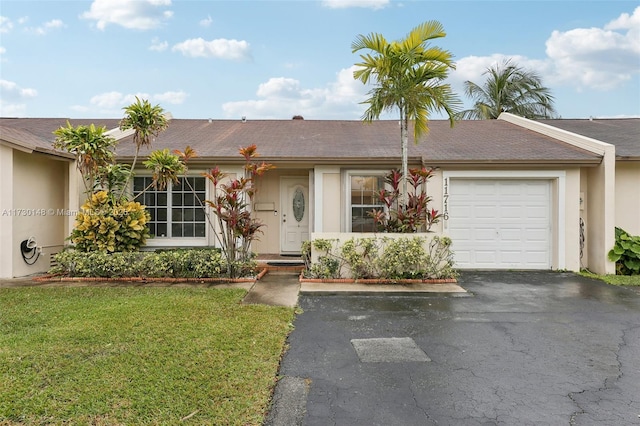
x: 11, y: 90
x: 158, y: 46
x: 5, y: 24
x: 282, y: 97
x: 344, y: 4
x: 174, y: 98
x: 206, y: 21
x: 13, y: 97
x: 132, y: 14
x: 472, y: 68
x: 219, y: 48
x: 54, y: 24
x: 280, y: 87
x: 625, y: 21
x: 597, y: 58
x: 112, y: 102
x: 584, y: 58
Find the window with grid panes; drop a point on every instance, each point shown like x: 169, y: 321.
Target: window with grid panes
x: 364, y: 190
x: 177, y: 211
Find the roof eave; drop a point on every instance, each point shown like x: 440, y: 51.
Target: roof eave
x: 513, y: 163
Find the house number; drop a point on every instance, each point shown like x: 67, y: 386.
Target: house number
x: 445, y: 196
x: 298, y: 205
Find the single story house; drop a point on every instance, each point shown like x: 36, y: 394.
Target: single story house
x: 515, y: 193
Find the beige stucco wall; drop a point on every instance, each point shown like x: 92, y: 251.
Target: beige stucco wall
x: 600, y: 228
x: 584, y: 214
x: 39, y: 193
x: 333, y: 202
x: 628, y: 196
x: 6, y: 206
x: 571, y: 223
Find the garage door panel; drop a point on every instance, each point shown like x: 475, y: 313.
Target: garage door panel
x: 509, y: 212
x: 485, y: 257
x: 497, y: 223
x: 513, y: 234
x: 536, y: 235
x: 484, y: 235
x: 536, y: 190
x: 483, y: 212
x: 484, y: 189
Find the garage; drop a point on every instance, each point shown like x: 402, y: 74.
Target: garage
x: 500, y: 223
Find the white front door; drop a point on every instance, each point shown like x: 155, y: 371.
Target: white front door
x: 500, y: 223
x: 294, y: 205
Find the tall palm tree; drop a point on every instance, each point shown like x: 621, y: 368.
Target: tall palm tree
x: 509, y: 88
x: 147, y: 122
x: 407, y: 74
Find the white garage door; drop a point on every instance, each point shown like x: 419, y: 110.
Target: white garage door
x: 500, y: 224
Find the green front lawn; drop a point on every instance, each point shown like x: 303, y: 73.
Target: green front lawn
x: 624, y: 280
x: 105, y: 356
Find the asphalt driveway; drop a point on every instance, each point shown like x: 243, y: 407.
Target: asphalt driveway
x: 522, y: 348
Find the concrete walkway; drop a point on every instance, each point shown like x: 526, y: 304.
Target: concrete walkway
x: 276, y: 288
x: 283, y: 288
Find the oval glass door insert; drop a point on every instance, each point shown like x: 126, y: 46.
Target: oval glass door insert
x: 298, y: 205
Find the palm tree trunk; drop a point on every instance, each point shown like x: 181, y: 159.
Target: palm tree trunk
x: 404, y: 136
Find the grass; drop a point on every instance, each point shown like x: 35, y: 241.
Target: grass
x: 109, y: 356
x: 621, y: 280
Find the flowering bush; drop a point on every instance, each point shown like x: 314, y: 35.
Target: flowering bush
x: 412, y: 215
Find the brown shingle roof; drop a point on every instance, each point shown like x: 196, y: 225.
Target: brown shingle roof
x: 342, y: 141
x: 495, y: 141
x: 624, y: 133
x: 325, y: 140
x: 37, y: 133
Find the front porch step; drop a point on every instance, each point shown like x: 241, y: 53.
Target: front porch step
x: 280, y: 263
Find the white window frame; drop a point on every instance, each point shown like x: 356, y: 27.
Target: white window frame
x: 178, y: 241
x: 347, y: 192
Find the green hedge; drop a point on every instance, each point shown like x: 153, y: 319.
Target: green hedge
x: 178, y: 263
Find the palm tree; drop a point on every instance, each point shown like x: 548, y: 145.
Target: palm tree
x: 146, y: 121
x: 407, y: 74
x: 92, y: 147
x: 509, y: 88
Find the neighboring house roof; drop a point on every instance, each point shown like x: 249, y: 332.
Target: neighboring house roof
x: 36, y: 134
x: 624, y: 133
x: 335, y: 142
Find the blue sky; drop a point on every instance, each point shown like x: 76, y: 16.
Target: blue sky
x: 276, y: 59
